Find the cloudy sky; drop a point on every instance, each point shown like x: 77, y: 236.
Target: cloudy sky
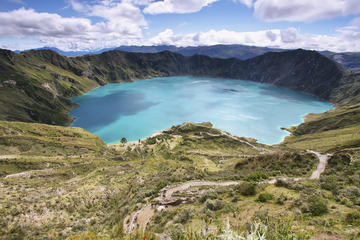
x: 74, y: 25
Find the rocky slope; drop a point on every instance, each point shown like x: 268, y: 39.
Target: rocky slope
x: 35, y: 86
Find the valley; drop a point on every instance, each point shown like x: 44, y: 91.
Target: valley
x: 61, y: 182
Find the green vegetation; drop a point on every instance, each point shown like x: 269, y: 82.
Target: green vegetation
x: 333, y: 131
x: 61, y: 182
x: 55, y: 190
x: 264, y: 197
x: 260, y: 167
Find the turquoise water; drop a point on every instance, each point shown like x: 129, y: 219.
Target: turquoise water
x: 136, y: 110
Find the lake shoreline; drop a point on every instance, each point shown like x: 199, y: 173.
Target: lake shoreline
x: 227, y: 103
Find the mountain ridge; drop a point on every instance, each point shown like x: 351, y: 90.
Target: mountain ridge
x: 348, y: 60
x: 36, y: 85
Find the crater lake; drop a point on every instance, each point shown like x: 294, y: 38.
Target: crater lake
x: 136, y: 110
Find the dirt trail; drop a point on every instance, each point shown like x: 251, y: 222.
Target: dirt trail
x: 31, y: 173
x: 167, y: 192
x: 9, y: 156
x: 39, y: 157
x: 143, y: 216
x: 166, y: 198
x: 323, y: 160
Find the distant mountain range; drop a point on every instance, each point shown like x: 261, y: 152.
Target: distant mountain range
x: 348, y: 60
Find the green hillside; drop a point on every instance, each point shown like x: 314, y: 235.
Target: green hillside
x: 53, y: 189
x: 59, y: 182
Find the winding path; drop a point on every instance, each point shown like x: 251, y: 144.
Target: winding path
x: 323, y: 160
x: 166, y: 197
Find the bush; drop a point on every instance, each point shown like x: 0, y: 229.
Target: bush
x: 281, y: 199
x: 329, y: 183
x: 176, y: 231
x: 151, y: 141
x: 264, y: 197
x: 317, y: 206
x: 282, y: 183
x: 214, y: 205
x: 339, y: 159
x: 353, y: 218
x: 207, y: 195
x: 349, y: 192
x: 257, y: 176
x: 184, y: 216
x: 246, y: 189
x: 219, y: 204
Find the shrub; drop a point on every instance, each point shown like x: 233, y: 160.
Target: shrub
x: 219, y: 204
x: 349, y: 192
x: 353, y: 218
x: 184, y: 216
x: 339, y: 159
x: 282, y: 183
x: 150, y: 141
x: 246, y: 189
x: 329, y: 183
x: 264, y: 197
x: 281, y: 199
x: 207, y: 195
x: 317, y: 206
x: 214, y: 205
x: 176, y: 231
x: 257, y: 176
x: 205, y: 213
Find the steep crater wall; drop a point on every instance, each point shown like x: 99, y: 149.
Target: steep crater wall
x: 35, y: 86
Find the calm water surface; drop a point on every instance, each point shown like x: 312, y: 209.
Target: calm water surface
x: 136, y: 110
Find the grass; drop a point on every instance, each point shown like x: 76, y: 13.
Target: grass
x: 328, y: 132
x: 64, y: 191
x: 40, y: 139
x: 327, y: 141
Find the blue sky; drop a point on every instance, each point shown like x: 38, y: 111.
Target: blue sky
x: 94, y: 24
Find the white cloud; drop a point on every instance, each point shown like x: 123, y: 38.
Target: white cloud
x: 177, y: 6
x: 119, y: 12
x: 304, y: 10
x: 77, y: 6
x: 212, y: 37
x: 282, y: 38
x: 272, y: 36
x: 289, y: 35
x: 248, y: 3
x: 141, y: 2
x: 123, y: 23
x: 27, y: 22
